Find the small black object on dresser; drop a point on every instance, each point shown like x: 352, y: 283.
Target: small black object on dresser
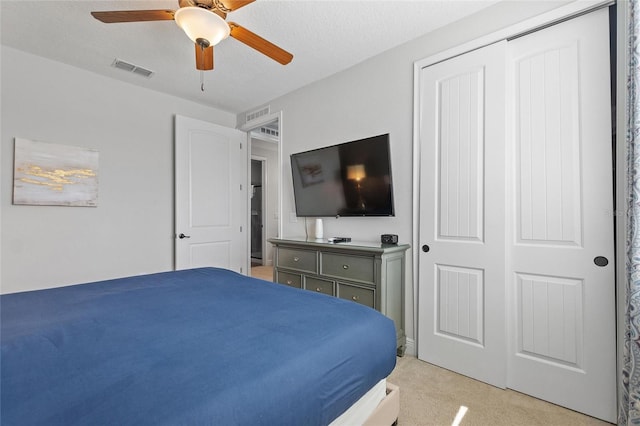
x: 339, y: 240
x: 389, y: 239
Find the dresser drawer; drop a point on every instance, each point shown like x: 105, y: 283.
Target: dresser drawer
x: 293, y: 280
x: 301, y: 260
x: 364, y: 296
x: 356, y: 268
x: 319, y: 285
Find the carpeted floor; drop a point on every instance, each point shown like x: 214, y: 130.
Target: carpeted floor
x: 432, y: 396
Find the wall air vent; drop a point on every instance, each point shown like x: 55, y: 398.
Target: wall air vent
x: 269, y: 132
x: 126, y: 66
x: 253, y: 115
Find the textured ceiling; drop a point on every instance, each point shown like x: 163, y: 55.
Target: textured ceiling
x: 324, y: 36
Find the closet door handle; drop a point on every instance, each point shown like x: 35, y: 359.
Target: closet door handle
x: 601, y: 261
x: 182, y: 236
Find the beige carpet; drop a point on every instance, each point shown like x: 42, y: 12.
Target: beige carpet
x: 431, y: 395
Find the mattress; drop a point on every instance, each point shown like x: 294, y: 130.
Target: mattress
x: 200, y: 346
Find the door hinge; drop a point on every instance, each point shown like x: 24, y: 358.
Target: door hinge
x: 241, y: 229
x: 240, y: 145
x: 240, y: 187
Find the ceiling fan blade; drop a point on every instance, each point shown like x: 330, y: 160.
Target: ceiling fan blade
x: 114, y: 16
x: 229, y: 5
x: 204, y: 58
x: 261, y: 45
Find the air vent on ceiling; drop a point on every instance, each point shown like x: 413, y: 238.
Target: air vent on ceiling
x: 126, y: 66
x: 253, y: 115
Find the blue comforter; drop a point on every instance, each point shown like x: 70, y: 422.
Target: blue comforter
x: 194, y: 347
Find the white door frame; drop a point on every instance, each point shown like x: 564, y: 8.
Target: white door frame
x: 248, y: 127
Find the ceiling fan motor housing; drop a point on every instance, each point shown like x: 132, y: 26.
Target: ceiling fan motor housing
x: 213, y: 5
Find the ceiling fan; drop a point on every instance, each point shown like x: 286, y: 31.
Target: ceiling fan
x: 204, y: 22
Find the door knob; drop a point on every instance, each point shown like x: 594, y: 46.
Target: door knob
x: 181, y: 236
x: 425, y: 248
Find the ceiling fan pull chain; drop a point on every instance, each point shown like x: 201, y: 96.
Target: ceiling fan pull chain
x: 203, y: 43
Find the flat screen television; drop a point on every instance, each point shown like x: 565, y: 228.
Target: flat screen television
x: 348, y: 179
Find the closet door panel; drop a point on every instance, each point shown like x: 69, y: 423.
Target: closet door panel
x: 562, y: 310
x: 462, y: 190
x: 548, y: 146
x: 551, y: 319
x: 460, y: 144
x: 460, y: 303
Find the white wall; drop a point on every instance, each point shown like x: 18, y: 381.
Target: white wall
x: 131, y: 230
x: 372, y: 98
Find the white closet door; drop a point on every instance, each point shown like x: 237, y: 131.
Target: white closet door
x: 462, y: 215
x: 562, y: 309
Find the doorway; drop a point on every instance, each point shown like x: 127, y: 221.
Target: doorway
x: 263, y: 137
x: 257, y: 210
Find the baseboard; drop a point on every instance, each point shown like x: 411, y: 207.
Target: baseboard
x: 268, y: 262
x: 411, y: 348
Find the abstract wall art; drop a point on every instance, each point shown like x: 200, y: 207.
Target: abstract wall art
x: 50, y: 174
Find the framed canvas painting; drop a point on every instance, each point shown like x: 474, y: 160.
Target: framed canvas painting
x: 50, y: 174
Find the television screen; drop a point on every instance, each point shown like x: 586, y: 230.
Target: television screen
x: 348, y: 179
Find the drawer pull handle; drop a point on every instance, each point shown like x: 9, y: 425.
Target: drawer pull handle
x: 295, y: 259
x: 289, y: 282
x: 354, y: 298
x: 318, y: 289
x: 345, y: 266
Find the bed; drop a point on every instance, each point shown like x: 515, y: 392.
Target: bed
x: 199, y: 346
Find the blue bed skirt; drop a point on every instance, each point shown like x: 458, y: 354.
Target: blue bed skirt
x: 196, y: 347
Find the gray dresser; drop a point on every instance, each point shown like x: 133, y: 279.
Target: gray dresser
x: 366, y: 273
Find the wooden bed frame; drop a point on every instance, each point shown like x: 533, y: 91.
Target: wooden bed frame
x: 386, y: 413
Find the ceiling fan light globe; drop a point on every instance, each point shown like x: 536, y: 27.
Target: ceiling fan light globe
x: 200, y: 23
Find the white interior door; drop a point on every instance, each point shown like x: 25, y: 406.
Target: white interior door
x: 562, y: 308
x: 211, y: 203
x: 462, y: 213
